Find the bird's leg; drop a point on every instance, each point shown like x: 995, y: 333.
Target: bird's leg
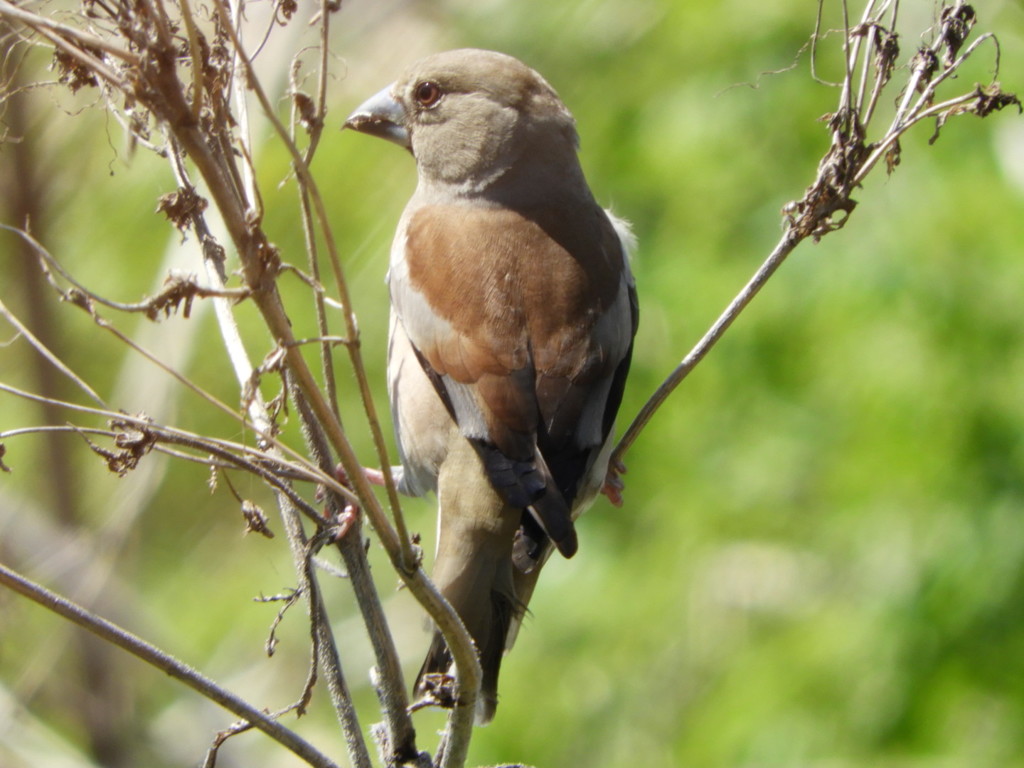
x: 436, y: 689
x: 613, y: 483
x: 349, y: 514
x: 374, y: 476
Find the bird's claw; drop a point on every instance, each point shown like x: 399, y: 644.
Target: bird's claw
x: 613, y: 482
x: 349, y: 515
x: 344, y: 521
x: 435, y: 690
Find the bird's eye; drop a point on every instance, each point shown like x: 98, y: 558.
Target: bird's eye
x: 427, y: 93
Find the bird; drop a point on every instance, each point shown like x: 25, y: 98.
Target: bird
x: 512, y: 320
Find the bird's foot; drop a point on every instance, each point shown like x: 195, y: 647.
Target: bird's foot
x: 613, y: 483
x: 436, y: 689
x: 349, y: 514
x: 345, y: 520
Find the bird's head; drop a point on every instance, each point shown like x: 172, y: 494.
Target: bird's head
x: 473, y: 119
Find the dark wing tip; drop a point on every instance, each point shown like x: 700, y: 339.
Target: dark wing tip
x: 557, y: 523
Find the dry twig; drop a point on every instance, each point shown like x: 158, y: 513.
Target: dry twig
x: 871, y: 50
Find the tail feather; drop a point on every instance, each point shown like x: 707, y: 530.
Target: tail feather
x: 473, y: 570
x: 490, y: 647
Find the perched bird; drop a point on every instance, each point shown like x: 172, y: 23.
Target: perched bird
x: 513, y: 312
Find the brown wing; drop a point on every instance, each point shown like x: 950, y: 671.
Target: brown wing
x: 509, y: 314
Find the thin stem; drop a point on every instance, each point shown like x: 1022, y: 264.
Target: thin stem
x: 785, y: 246
x: 402, y: 553
x: 161, y: 660
x: 883, y: 146
x: 389, y: 681
x: 815, y: 36
x: 259, y: 424
x: 56, y: 31
x: 301, y: 470
x: 197, y: 63
x: 42, y: 349
x: 399, y: 741
x: 240, y: 63
x: 459, y: 731
x: 871, y: 34
x: 324, y: 644
x: 850, y: 49
x: 315, y: 132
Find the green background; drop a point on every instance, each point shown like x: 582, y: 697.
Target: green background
x: 820, y: 561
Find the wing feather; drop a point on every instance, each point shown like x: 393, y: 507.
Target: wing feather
x: 523, y: 322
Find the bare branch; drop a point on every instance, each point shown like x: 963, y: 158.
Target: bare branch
x: 45, y: 351
x: 827, y: 204
x: 164, y: 662
x: 275, y: 471
x: 151, y: 80
x: 62, y: 32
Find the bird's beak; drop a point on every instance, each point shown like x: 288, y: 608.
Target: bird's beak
x: 381, y: 115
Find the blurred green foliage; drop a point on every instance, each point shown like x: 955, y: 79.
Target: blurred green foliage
x: 821, y: 557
